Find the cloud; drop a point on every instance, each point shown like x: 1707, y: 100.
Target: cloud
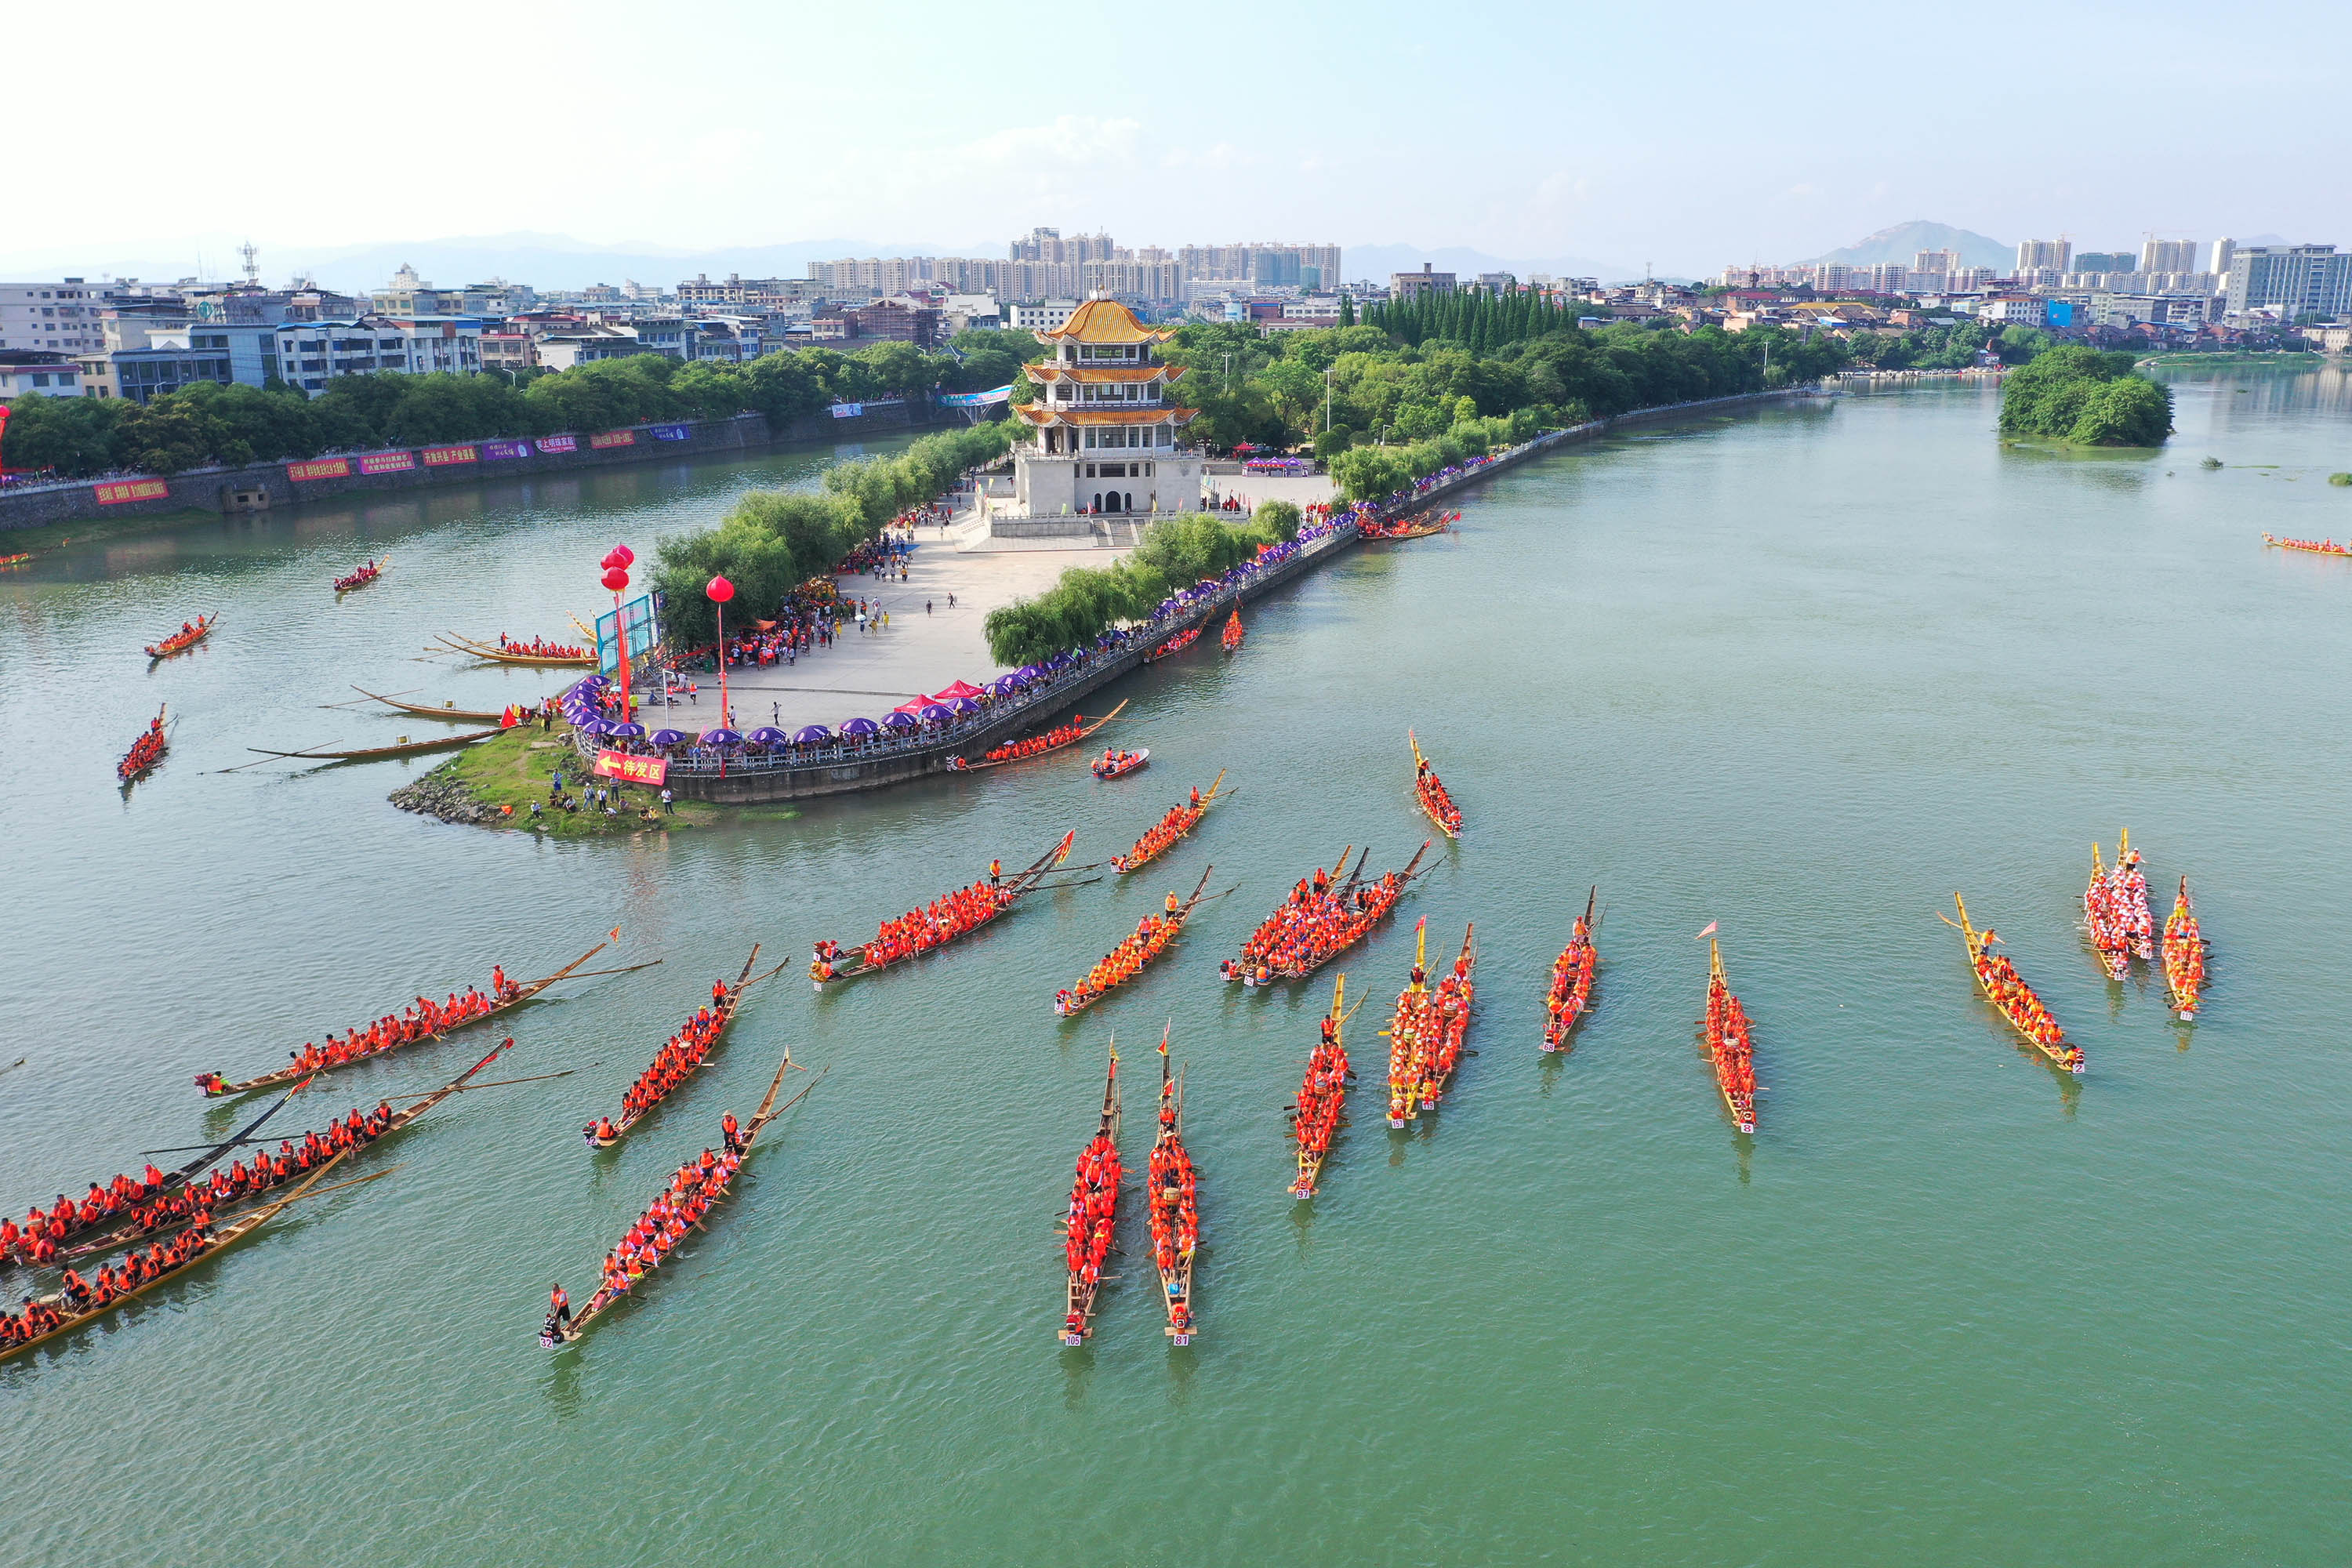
x: 1069, y: 142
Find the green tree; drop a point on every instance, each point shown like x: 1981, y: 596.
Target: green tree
x: 73, y: 437
x: 2079, y: 394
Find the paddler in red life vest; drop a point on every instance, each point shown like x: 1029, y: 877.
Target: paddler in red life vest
x: 604, y: 1132
x: 558, y: 1309
x: 995, y: 870
x: 729, y: 1134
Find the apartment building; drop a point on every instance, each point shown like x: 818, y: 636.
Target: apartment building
x: 62, y: 316
x: 2292, y: 282
x: 1403, y: 285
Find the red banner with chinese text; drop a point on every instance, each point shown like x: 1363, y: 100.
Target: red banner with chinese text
x: 120, y: 490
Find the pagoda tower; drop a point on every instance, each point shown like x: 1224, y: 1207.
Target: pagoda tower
x: 1105, y: 433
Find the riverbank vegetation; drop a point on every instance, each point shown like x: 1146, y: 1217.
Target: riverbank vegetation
x: 209, y: 425
x: 773, y: 540
x: 2085, y: 398
x: 1176, y: 553
x: 1342, y: 387
x: 495, y: 783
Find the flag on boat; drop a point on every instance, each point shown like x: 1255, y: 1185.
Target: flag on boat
x: 1709, y: 931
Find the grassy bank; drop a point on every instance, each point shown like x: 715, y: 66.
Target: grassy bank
x: 515, y: 771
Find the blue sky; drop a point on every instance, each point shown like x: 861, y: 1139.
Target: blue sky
x: 1688, y: 137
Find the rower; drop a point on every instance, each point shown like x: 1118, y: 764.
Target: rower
x: 995, y: 869
x: 1171, y: 903
x: 730, y: 1136
x: 559, y: 1307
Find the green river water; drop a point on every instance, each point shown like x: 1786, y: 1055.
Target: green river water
x: 1803, y: 671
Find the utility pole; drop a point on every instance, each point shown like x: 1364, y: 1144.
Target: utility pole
x: 1327, y: 400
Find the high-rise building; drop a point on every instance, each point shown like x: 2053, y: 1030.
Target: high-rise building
x: 2107, y: 261
x: 2298, y: 280
x: 2219, y: 262
x: 1047, y: 244
x: 2168, y: 256
x: 1936, y: 262
x: 2036, y: 255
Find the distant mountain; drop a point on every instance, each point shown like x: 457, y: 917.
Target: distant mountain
x: 1376, y: 261
x: 1905, y: 241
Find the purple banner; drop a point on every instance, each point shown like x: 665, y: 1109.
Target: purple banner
x: 671, y: 433
x: 506, y: 449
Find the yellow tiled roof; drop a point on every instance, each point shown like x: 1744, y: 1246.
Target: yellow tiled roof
x: 1103, y: 321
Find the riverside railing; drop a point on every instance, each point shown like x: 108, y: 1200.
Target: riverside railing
x: 1000, y: 715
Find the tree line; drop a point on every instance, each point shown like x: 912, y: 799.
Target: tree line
x: 772, y: 541
x: 1175, y: 553
x: 208, y: 424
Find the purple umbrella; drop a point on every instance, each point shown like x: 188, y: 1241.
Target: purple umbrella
x: 595, y: 727
x: 898, y: 720
x: 861, y: 727
x: 1028, y: 672
x: 625, y: 732
x: 1005, y: 685
x: 768, y: 736
x: 666, y: 737
x: 722, y: 738
x: 933, y: 713
x: 815, y: 732
x: 965, y: 705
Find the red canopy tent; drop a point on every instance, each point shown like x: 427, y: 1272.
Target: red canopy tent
x: 960, y: 688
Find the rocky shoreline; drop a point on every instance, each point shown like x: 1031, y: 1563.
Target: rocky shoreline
x: 441, y: 795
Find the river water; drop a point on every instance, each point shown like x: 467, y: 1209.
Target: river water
x: 1803, y: 672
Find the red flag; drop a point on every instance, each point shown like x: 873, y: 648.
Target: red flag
x: 1709, y: 931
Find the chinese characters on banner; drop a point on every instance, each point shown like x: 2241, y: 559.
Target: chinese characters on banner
x: 497, y: 449
x: 120, y: 490
x: 631, y: 769
x: 441, y: 457
x: 559, y: 443
x: 613, y: 438
x: 387, y: 462
x: 321, y: 468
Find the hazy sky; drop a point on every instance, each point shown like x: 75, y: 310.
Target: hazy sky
x: 1689, y: 136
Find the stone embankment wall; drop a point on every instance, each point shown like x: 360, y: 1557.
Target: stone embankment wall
x: 259, y: 486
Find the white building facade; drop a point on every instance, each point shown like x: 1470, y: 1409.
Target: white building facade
x: 60, y: 317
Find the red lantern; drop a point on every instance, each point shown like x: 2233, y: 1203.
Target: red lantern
x: 720, y: 590
x: 628, y: 557
x: 616, y: 579
x: 612, y: 560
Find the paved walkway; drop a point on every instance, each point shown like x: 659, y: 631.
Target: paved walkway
x: 920, y: 651
x: 870, y: 673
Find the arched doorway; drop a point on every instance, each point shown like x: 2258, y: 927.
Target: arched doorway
x: 1126, y: 502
